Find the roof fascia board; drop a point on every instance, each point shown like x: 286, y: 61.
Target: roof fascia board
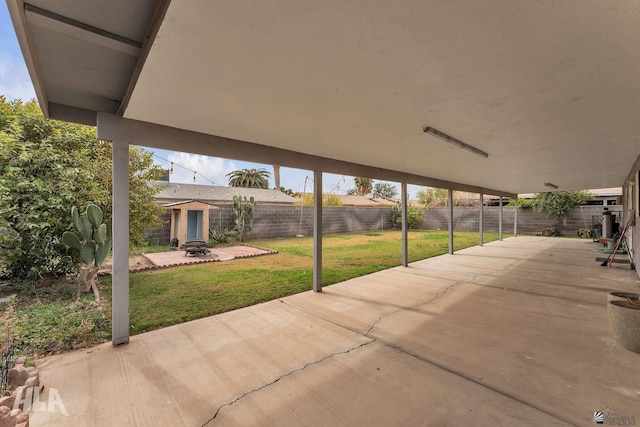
x: 72, y: 114
x: 115, y: 128
x: 18, y: 18
x: 152, y: 32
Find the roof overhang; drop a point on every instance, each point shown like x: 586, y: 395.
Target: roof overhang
x: 548, y: 89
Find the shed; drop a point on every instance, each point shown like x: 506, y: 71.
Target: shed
x: 190, y: 220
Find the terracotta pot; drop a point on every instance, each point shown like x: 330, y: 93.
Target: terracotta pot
x: 625, y: 322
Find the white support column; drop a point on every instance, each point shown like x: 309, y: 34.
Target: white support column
x: 450, y: 203
x: 481, y: 222
x: 120, y: 269
x: 515, y: 218
x: 317, y: 231
x: 500, y: 219
x: 405, y: 237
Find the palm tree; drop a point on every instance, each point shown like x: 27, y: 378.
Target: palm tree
x: 249, y: 178
x: 363, y: 185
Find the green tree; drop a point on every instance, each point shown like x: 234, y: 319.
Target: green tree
x: 432, y: 197
x: 559, y: 203
x: 363, y: 185
x: 144, y: 212
x: 47, y: 166
x: 385, y: 190
x: 249, y: 178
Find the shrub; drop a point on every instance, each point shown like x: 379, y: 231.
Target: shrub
x: 414, y: 216
x: 220, y: 235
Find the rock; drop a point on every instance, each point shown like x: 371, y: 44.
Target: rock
x: 7, y: 401
x: 17, y: 376
x: 26, y: 424
x: 31, y: 369
x: 21, y: 360
x: 12, y: 417
x: 22, y: 417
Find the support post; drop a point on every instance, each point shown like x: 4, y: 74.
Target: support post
x: 120, y: 221
x: 450, y: 203
x: 405, y: 237
x: 480, y: 224
x: 500, y: 219
x: 317, y: 231
x: 515, y: 218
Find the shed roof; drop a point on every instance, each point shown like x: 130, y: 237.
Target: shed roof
x: 187, y: 202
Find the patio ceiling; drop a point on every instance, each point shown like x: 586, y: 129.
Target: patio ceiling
x: 550, y: 90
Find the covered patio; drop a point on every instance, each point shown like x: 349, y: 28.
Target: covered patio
x: 493, y: 98
x: 511, y: 333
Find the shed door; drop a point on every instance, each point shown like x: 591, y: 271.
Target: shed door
x: 194, y: 225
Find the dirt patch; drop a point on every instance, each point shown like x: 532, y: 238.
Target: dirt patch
x: 135, y: 263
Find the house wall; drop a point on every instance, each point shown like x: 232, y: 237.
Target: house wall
x: 284, y: 221
x: 631, y: 201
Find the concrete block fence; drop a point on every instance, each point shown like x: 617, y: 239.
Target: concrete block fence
x: 272, y: 221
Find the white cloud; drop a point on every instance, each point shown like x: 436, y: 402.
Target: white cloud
x: 213, y: 168
x: 15, y: 82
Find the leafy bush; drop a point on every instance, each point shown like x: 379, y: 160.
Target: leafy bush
x: 331, y: 200
x: 220, y: 235
x: 327, y: 200
x: 414, y: 216
x: 554, y: 203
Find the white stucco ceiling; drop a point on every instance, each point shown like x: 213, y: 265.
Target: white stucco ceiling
x: 550, y: 89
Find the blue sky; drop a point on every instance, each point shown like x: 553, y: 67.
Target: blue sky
x: 15, y: 83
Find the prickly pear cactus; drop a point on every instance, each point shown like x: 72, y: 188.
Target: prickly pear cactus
x: 92, y: 239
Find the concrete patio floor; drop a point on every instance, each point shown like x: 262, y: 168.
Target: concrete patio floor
x: 512, y: 333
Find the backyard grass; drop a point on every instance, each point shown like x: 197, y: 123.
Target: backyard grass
x: 170, y: 296
x: 55, y: 321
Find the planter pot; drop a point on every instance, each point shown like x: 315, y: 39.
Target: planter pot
x: 625, y: 322
x: 621, y: 296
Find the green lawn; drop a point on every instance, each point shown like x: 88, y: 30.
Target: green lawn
x: 50, y: 319
x: 170, y: 296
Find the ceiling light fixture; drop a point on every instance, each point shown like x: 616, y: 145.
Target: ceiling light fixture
x: 550, y: 185
x: 451, y: 140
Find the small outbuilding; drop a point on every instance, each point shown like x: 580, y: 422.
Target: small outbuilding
x: 190, y: 220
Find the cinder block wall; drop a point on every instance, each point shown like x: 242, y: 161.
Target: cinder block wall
x: 285, y: 221
x: 529, y: 222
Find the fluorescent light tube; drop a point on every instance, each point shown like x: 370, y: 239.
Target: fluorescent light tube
x: 451, y: 140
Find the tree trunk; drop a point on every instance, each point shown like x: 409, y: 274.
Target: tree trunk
x: 276, y: 176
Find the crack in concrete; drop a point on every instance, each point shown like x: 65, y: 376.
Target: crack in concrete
x: 284, y: 376
x: 437, y: 295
